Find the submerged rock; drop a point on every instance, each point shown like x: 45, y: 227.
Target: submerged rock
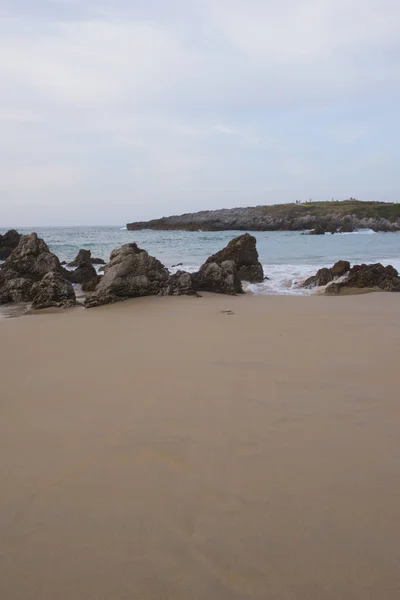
x: 131, y: 273
x: 242, y: 251
x: 27, y: 265
x: 8, y: 242
x: 324, y: 276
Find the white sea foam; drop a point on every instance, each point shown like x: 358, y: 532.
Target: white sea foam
x: 360, y: 232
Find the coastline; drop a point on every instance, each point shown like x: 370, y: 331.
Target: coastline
x: 223, y: 447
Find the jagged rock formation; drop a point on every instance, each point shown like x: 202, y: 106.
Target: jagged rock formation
x: 341, y: 277
x: 84, y: 257
x: 52, y: 291
x: 330, y: 216
x: 85, y: 273
x: 220, y: 278
x: 131, y: 273
x: 242, y: 251
x: 324, y: 276
x: 34, y: 274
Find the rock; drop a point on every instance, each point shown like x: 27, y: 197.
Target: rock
x: 52, y: 290
x: 347, y: 225
x: 242, y: 251
x: 376, y: 275
x: 16, y: 289
x: 179, y: 284
x: 221, y: 278
x: 84, y: 257
x: 32, y: 259
x: 322, y: 277
x: 333, y: 288
x: 85, y: 273
x: 340, y: 268
x: 319, y: 230
x: 8, y: 242
x: 90, y: 286
x: 97, y: 261
x: 177, y: 265
x: 131, y: 272
x: 27, y: 265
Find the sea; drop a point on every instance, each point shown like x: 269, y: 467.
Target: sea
x: 288, y: 257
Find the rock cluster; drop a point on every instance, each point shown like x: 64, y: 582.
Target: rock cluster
x: 132, y: 272
x: 341, y: 277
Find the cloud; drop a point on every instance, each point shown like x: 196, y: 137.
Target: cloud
x: 157, y: 107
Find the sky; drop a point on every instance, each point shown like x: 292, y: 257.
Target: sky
x: 123, y: 110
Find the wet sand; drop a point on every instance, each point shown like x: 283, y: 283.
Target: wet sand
x: 164, y: 449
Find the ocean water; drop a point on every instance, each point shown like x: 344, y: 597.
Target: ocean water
x: 287, y: 257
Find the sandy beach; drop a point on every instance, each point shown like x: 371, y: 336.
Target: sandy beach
x: 163, y: 448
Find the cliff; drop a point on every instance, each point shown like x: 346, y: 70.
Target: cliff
x: 330, y: 216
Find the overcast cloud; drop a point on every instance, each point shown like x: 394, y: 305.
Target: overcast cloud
x: 112, y: 111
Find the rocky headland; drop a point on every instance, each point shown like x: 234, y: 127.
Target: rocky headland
x: 322, y: 217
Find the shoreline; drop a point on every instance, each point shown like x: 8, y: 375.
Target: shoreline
x: 18, y: 310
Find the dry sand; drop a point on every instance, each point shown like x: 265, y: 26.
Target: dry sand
x: 162, y: 449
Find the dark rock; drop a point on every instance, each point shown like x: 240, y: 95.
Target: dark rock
x: 84, y: 274
x: 220, y: 278
x: 177, y: 265
x: 359, y: 276
x: 52, y: 290
x: 340, y: 268
x: 90, y: 286
x: 180, y: 283
x: 8, y: 242
x: 322, y: 277
x: 97, y: 261
x: 63, y: 263
x: 84, y: 257
x: 319, y: 230
x: 26, y: 266
x: 242, y: 251
x: 32, y: 259
x: 376, y: 275
x: 131, y: 272
x: 15, y: 289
